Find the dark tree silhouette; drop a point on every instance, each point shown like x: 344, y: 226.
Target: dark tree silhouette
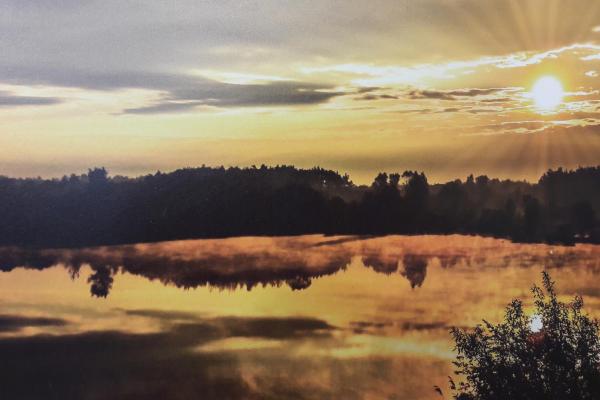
x: 381, y: 180
x: 517, y: 360
x: 395, y: 180
x: 96, y: 209
x: 98, y: 176
x: 583, y: 217
x: 532, y: 216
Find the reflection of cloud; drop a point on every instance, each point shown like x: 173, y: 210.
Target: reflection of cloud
x: 376, y: 327
x: 10, y: 323
x: 361, y: 327
x: 142, y: 366
x: 211, y: 364
x: 170, y: 315
x: 222, y: 357
x: 425, y: 326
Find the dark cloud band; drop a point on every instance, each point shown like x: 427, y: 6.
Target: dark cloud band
x: 10, y: 100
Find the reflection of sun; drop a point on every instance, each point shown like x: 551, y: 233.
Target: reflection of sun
x: 536, y: 324
x: 547, y: 93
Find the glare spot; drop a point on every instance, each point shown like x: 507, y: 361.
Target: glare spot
x: 547, y: 93
x: 536, y: 324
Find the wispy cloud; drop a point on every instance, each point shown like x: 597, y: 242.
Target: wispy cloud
x: 218, y: 94
x: 8, y: 99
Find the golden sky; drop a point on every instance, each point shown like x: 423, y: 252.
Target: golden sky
x: 444, y: 86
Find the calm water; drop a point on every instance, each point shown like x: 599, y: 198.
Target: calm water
x: 308, y: 317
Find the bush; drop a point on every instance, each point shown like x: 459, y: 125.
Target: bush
x: 512, y: 360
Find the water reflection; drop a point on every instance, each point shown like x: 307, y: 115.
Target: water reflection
x: 224, y: 264
x: 294, y: 261
x: 307, y: 317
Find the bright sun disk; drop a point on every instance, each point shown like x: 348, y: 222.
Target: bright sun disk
x: 547, y: 93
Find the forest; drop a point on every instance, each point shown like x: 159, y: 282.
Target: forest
x: 98, y: 209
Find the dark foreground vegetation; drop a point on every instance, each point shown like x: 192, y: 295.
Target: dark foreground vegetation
x: 558, y: 361
x: 94, y: 208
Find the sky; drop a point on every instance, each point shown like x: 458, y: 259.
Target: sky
x: 442, y: 86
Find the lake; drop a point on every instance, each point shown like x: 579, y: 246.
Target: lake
x: 306, y: 317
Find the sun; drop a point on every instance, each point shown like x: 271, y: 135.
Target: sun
x: 547, y: 93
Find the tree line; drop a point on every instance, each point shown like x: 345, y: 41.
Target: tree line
x: 95, y: 208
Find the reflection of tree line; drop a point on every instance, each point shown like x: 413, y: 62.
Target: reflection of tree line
x: 414, y: 267
x: 233, y: 270
x: 230, y: 271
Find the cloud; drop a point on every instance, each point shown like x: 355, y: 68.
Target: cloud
x: 377, y: 97
x: 496, y: 100
x: 124, y: 44
x: 8, y: 99
x: 472, y: 92
x: 78, y: 77
x: 129, y: 35
x: 421, y: 74
x: 424, y: 111
x: 518, y: 126
x: 217, y: 94
x: 430, y: 94
x: 164, y: 107
x: 415, y: 111
x: 524, y: 59
x: 181, y: 92
x: 484, y: 110
x: 453, y: 94
x: 583, y: 124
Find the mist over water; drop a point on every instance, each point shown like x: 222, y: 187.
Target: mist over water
x: 304, y: 317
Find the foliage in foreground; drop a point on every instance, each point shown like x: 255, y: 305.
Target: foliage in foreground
x: 509, y: 361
